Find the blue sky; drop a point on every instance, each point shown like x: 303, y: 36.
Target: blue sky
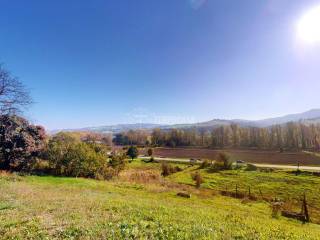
x: 91, y: 63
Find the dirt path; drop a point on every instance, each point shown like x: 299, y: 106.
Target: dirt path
x: 307, y: 168
x: 178, y: 160
x: 276, y: 166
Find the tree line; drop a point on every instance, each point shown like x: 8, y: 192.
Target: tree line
x: 290, y: 136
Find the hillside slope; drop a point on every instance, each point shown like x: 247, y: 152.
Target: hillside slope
x: 70, y: 208
x: 312, y: 116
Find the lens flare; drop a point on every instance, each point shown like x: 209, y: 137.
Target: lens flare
x: 308, y: 28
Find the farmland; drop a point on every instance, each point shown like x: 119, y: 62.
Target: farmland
x: 252, y: 156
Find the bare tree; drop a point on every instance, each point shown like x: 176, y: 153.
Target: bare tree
x: 13, y: 95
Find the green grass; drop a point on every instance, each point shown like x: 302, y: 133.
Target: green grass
x: 283, y: 185
x: 272, y: 183
x: 141, y: 164
x: 34, y: 207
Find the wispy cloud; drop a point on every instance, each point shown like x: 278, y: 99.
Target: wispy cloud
x: 142, y: 115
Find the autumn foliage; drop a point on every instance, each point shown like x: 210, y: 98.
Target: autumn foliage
x: 20, y: 142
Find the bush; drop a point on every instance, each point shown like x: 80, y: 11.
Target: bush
x: 205, y: 164
x: 106, y: 173
x: 20, y: 143
x: 118, y: 161
x: 133, y: 152
x: 177, y: 169
x: 68, y: 156
x: 251, y: 167
x: 217, y: 166
x: 237, y: 167
x: 150, y: 152
x: 224, y: 158
x: 198, y: 179
x: 167, y: 169
x: 222, y: 163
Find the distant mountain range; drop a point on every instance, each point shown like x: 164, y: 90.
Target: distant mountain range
x: 311, y: 116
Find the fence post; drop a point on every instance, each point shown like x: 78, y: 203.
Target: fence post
x: 236, y: 190
x: 305, y: 208
x: 260, y: 193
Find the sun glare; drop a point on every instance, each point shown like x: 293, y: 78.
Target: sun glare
x: 309, y: 26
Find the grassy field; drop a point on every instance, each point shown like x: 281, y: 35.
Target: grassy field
x: 263, y: 184
x: 252, y: 156
x: 33, y: 207
x: 283, y: 185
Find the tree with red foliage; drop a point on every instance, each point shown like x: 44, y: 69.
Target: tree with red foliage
x: 20, y: 142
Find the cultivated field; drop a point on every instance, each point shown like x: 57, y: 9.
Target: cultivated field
x: 141, y: 204
x: 251, y: 156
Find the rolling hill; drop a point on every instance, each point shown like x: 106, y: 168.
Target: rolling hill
x: 309, y: 117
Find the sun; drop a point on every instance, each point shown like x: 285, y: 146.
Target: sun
x: 308, y: 28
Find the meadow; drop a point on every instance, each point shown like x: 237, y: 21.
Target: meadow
x: 284, y: 186
x: 141, y: 204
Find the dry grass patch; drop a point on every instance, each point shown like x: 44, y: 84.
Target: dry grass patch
x: 141, y: 176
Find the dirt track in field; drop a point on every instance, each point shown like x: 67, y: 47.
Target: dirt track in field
x: 251, y: 156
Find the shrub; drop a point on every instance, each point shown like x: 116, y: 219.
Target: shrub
x: 118, y: 161
x: 205, y: 164
x: 57, y: 150
x: 251, y: 167
x: 150, y: 152
x: 40, y: 167
x: 184, y: 195
x: 222, y: 163
x: 217, y: 166
x: 224, y: 158
x: 237, y: 167
x: 82, y: 160
x: 68, y: 156
x: 197, y: 178
x: 176, y: 169
x: 133, y: 152
x: 20, y: 143
x: 106, y: 173
x: 167, y: 169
